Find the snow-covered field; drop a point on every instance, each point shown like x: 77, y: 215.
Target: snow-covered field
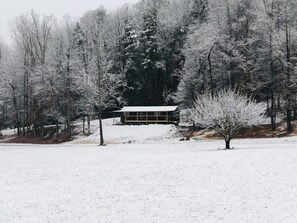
x: 151, y: 182
x: 119, y: 134
x: 145, y: 174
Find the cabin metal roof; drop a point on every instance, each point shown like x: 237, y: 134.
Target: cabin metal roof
x: 148, y: 109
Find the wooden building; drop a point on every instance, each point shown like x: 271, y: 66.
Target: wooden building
x: 149, y: 115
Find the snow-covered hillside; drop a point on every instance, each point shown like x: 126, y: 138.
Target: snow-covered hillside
x: 159, y: 182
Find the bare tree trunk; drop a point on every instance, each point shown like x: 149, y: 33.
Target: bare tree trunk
x: 295, y: 111
x: 289, y: 118
x: 278, y: 102
x: 42, y: 121
x: 210, y: 72
x: 1, y: 127
x: 57, y: 127
x: 24, y: 125
x: 26, y: 94
x: 101, y: 130
x: 84, y: 120
x: 68, y: 113
x: 89, y: 124
x: 227, y: 144
x: 3, y: 118
x: 99, y: 97
x: 16, y: 110
x: 68, y: 94
x: 272, y: 85
x: 273, y: 114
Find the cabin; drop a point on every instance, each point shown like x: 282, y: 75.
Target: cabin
x: 149, y: 115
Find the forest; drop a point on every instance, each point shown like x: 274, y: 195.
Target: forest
x: 155, y: 52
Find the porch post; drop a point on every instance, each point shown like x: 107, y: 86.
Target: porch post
x: 167, y: 117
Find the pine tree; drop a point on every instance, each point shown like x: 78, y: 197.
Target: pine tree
x: 153, y: 65
x: 132, y: 69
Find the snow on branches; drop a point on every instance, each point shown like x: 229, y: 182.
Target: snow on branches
x: 227, y: 112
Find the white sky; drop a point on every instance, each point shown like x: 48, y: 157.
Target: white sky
x: 74, y: 8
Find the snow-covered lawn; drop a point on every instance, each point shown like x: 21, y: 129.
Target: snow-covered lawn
x: 115, y: 134
x: 152, y: 182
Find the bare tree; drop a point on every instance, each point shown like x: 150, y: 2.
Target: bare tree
x: 101, y: 80
x: 227, y: 112
x: 288, y: 25
x: 32, y: 36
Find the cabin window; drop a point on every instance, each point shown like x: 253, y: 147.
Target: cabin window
x: 142, y: 116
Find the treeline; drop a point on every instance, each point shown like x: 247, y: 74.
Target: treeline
x: 156, y: 52
x: 247, y: 45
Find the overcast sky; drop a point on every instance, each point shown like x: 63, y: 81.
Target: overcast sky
x: 75, y: 8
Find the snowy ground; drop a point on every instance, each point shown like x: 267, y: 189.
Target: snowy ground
x: 119, y: 134
x: 151, y: 182
x: 9, y: 132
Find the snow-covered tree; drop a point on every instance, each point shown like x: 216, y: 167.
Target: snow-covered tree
x: 102, y: 84
x: 227, y: 112
x: 172, y: 34
x: 153, y: 52
x: 132, y: 69
x: 5, y: 78
x: 288, y: 29
x: 153, y: 65
x: 199, y: 12
x: 32, y: 36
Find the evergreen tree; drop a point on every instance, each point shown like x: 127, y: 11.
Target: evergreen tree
x: 132, y: 69
x: 153, y: 65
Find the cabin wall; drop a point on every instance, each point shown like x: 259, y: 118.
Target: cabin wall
x: 149, y: 118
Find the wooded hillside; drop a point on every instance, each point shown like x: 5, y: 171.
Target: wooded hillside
x: 156, y: 52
